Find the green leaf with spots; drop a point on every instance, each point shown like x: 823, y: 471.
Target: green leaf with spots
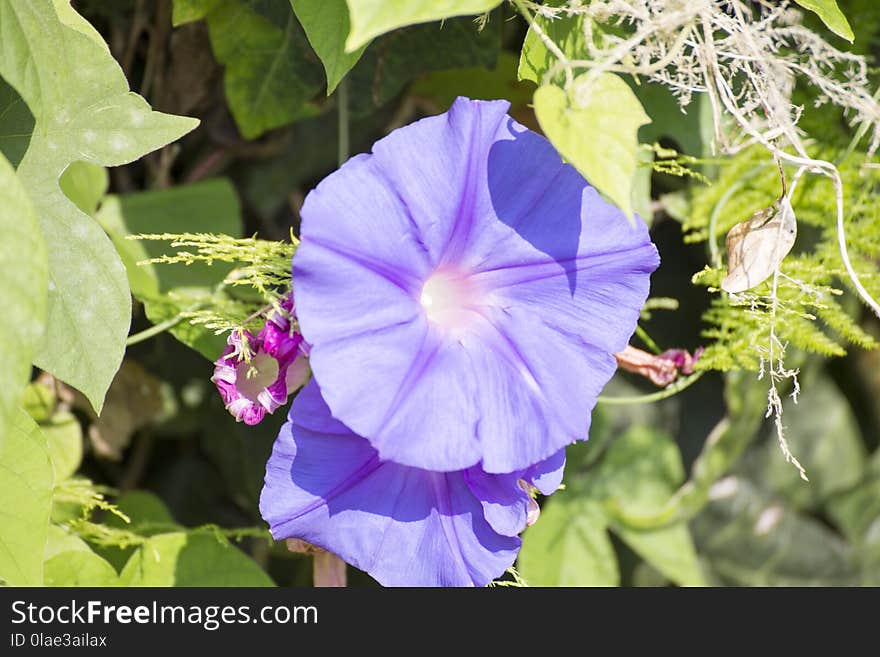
x: 602, y: 145
x: 569, y: 545
x: 327, y: 24
x: 79, y: 568
x: 831, y: 15
x: 67, y: 15
x: 370, y: 18
x: 83, y: 110
x: 24, y: 272
x: 271, y: 74
x: 26, y: 483
x: 190, y: 559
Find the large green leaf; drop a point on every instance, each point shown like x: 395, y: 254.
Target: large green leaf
x: 24, y: 272
x: 167, y: 289
x: 569, y: 545
x: 831, y: 15
x: 67, y: 15
x: 83, y: 111
x: 602, y: 145
x: 639, y: 471
x: 79, y: 568
x: 188, y: 559
x: 270, y: 74
x: 26, y: 483
x: 854, y: 510
x: 669, y: 549
x: 370, y: 18
x: 749, y: 538
x: 326, y: 24
x: 59, y: 540
x: 638, y: 475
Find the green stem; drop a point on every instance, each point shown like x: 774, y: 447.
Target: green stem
x: 668, y: 391
x: 154, y: 330
x: 649, y: 343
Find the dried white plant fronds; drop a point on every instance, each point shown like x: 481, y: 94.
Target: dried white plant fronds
x: 759, y: 49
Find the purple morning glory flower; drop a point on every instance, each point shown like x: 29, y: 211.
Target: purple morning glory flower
x: 276, y: 366
x: 463, y: 291
x: 405, y: 526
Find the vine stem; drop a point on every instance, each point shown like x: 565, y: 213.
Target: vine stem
x: 154, y: 330
x: 668, y: 391
x: 649, y: 342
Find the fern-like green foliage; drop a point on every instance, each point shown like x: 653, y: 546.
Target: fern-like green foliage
x: 810, y: 310
x: 81, y: 493
x: 260, y: 278
x: 672, y: 163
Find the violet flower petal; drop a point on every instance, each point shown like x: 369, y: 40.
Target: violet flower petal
x: 404, y: 526
x: 476, y: 284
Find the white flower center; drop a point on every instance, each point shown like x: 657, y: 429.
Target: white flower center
x: 448, y: 299
x: 254, y: 377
